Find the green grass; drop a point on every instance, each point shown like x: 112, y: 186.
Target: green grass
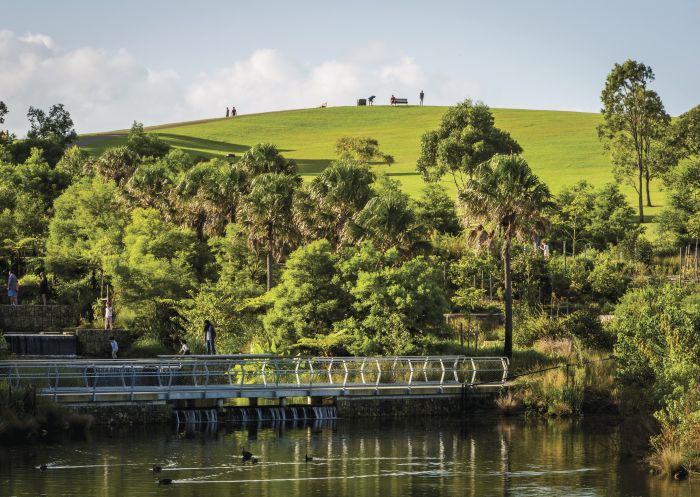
x: 561, y: 147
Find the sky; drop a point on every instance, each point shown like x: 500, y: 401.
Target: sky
x: 158, y: 61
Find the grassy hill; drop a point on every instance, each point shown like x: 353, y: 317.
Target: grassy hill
x: 561, y: 147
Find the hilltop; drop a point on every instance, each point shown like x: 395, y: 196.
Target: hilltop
x: 562, y: 147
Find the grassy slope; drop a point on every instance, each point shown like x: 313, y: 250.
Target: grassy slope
x: 561, y: 147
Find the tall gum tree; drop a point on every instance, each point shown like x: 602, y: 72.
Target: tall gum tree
x: 634, y: 118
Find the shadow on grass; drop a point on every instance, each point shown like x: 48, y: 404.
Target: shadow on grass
x: 202, y: 145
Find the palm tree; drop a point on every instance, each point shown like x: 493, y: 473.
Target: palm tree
x: 388, y: 220
x: 331, y: 200
x: 507, y: 195
x: 266, y: 215
x: 265, y: 158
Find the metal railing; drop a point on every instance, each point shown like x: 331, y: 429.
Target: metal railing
x: 236, y: 376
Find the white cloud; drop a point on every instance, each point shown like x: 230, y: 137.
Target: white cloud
x: 108, y: 89
x: 101, y: 89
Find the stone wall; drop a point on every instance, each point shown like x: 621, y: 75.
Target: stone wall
x: 34, y: 318
x: 376, y: 407
x: 94, y: 342
x: 131, y: 413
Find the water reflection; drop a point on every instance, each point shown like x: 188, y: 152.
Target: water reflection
x: 350, y: 458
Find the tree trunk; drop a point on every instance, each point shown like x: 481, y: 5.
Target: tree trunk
x: 268, y: 261
x: 647, y: 181
x: 640, y: 190
x: 508, y: 299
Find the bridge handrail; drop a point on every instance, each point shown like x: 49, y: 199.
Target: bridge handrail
x: 245, y: 372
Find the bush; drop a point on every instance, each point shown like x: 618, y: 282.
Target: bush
x: 147, y: 346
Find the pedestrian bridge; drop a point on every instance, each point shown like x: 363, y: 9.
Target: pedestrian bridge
x: 173, y: 378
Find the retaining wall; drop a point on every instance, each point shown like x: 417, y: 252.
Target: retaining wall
x: 127, y: 413
x: 94, y: 342
x: 34, y: 318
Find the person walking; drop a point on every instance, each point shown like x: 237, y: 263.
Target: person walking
x: 210, y: 337
x: 114, y: 347
x: 12, y: 287
x: 227, y: 112
x: 234, y: 112
x: 392, y: 100
x: 184, y: 349
x: 422, y: 96
x: 43, y: 288
x: 109, y: 314
x: 370, y: 100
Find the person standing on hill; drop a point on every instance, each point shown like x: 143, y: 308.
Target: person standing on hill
x: 227, y: 112
x: 12, y: 287
x: 422, y: 96
x: 234, y: 112
x: 209, y: 337
x: 43, y: 288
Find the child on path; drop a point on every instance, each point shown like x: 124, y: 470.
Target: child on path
x: 114, y: 346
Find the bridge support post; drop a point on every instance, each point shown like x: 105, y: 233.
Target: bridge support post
x: 283, y: 401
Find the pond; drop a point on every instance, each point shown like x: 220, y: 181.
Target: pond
x: 418, y: 457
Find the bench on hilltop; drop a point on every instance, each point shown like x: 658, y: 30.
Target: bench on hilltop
x: 400, y: 101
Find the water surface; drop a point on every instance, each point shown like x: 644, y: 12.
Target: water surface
x: 420, y: 457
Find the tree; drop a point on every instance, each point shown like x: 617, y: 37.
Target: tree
x: 326, y: 206
x: 75, y: 162
x: 3, y: 111
x: 634, y: 117
x: 465, y: 138
x: 506, y: 194
x: 436, y: 210
x: 56, y: 126
x: 117, y: 164
x: 87, y: 225
x: 397, y: 303
x: 265, y: 158
x: 361, y: 149
x: 610, y: 217
x: 684, y: 200
x: 266, y: 215
x: 157, y: 261
x: 145, y: 144
x: 686, y: 133
x: 572, y: 216
x: 308, y: 301
x: 208, y: 195
x: 388, y: 220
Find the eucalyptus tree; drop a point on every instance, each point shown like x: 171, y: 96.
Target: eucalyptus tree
x: 266, y: 214
x: 467, y: 136
x: 633, y: 118
x: 507, y: 197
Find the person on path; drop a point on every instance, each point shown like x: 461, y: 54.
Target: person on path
x: 109, y: 314
x: 422, y: 96
x: 43, y: 287
x: 114, y: 347
x: 227, y: 112
x: 234, y: 112
x: 12, y: 287
x: 210, y: 337
x: 370, y: 100
x: 392, y: 100
x: 184, y: 350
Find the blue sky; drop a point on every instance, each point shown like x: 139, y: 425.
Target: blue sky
x: 157, y: 61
